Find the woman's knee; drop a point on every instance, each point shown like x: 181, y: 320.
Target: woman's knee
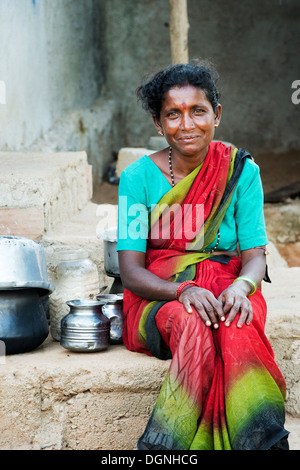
x: 174, y: 320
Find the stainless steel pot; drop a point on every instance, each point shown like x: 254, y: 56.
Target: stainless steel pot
x: 22, y: 264
x: 113, y: 309
x: 85, y: 328
x: 111, y: 262
x: 23, y: 322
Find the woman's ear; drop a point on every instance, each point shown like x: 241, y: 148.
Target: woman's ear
x: 158, y: 125
x: 218, y: 114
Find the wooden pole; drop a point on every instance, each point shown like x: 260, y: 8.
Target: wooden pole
x: 179, y: 26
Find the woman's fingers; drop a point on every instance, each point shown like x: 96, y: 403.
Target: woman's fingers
x: 240, y: 305
x: 232, y: 314
x: 207, y: 313
x: 246, y: 315
x: 201, y: 311
x: 208, y: 307
x: 212, y: 310
x: 187, y: 305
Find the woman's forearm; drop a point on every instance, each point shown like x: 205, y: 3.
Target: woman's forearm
x: 253, y: 267
x: 136, y: 278
x: 142, y: 282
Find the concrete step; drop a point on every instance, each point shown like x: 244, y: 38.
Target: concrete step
x: 66, y: 400
x: 128, y: 155
x: 40, y: 190
x: 283, y: 328
x: 75, y: 400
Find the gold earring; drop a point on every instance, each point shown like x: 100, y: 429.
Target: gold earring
x: 160, y: 133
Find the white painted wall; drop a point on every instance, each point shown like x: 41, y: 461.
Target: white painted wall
x: 49, y: 62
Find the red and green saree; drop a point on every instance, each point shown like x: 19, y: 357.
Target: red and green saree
x: 223, y: 389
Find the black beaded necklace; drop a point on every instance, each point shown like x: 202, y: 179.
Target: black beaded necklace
x: 170, y: 167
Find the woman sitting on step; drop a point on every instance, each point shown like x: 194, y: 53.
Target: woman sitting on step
x: 191, y: 246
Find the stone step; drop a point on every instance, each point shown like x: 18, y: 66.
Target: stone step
x: 103, y: 400
x: 283, y: 328
x: 128, y: 155
x: 38, y: 191
x: 77, y: 401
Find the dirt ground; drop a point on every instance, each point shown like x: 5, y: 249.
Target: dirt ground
x: 277, y: 171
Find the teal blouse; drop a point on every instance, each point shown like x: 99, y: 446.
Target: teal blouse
x: 142, y: 185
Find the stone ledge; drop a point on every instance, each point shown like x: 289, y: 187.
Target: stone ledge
x: 94, y: 401
x: 22, y: 222
x: 283, y: 328
x: 77, y: 401
x: 57, y: 184
x: 128, y: 155
x: 66, y: 400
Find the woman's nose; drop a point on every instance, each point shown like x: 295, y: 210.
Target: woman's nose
x: 187, y: 122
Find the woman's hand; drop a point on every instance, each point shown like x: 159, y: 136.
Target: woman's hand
x: 234, y: 300
x: 208, y: 307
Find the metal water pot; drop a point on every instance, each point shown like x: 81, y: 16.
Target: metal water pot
x: 111, y: 262
x: 85, y: 328
x: 113, y: 309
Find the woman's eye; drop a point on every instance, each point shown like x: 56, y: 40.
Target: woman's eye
x: 199, y: 111
x: 173, y: 114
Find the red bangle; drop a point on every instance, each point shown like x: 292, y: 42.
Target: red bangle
x: 183, y: 285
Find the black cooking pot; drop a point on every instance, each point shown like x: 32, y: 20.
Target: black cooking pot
x: 23, y: 321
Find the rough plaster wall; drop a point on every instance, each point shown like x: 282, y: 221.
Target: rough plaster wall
x: 254, y: 44
x: 50, y: 62
x: 136, y: 38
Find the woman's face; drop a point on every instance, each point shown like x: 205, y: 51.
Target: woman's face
x: 188, y: 120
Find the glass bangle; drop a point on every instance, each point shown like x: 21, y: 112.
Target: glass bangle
x: 183, y: 285
x: 247, y: 279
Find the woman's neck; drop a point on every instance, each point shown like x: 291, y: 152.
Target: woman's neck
x: 185, y: 164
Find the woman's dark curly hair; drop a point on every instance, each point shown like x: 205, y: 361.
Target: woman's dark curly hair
x: 198, y: 74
